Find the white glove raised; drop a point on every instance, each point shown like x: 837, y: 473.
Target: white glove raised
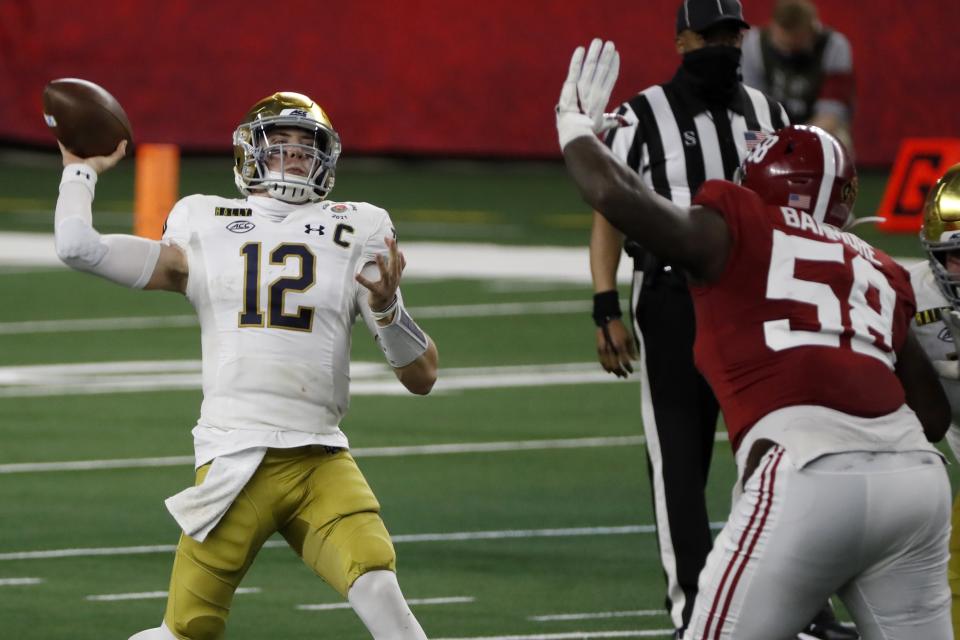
x: 586, y: 92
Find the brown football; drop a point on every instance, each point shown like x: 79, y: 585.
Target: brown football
x: 85, y: 117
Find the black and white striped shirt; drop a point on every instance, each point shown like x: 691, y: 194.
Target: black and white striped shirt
x: 676, y: 142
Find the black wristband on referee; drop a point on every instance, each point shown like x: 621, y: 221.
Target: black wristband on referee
x: 606, y: 307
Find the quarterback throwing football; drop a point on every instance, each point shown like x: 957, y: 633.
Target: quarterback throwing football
x: 829, y: 401
x: 277, y: 279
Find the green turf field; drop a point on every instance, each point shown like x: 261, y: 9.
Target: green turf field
x: 85, y: 553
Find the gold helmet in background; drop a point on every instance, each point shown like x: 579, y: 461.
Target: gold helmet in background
x: 941, y: 231
x: 252, y: 148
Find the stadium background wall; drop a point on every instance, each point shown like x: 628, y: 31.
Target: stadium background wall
x: 421, y: 77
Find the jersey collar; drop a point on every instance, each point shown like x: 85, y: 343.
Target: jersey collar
x: 272, y: 208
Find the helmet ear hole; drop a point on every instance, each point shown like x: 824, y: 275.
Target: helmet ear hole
x: 789, y: 148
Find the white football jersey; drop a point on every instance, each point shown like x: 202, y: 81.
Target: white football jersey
x: 273, y: 286
x: 935, y: 338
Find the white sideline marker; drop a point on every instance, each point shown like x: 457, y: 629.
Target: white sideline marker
x: 16, y: 582
x: 415, y: 537
x: 368, y: 378
x: 397, y: 539
x: 580, y: 635
x: 359, y: 452
x: 151, y: 595
x: 600, y: 615
x: 437, y: 312
x: 413, y: 602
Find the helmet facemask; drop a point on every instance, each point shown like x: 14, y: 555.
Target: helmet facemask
x: 947, y: 282
x: 272, y: 155
x: 940, y: 235
x: 263, y: 147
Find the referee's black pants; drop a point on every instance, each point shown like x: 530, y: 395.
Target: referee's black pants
x: 679, y: 414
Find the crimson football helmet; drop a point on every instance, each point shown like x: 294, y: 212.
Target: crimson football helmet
x: 805, y: 168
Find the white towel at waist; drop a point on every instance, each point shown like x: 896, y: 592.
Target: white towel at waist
x: 198, y: 509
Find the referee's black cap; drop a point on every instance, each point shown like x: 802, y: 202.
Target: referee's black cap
x: 700, y: 15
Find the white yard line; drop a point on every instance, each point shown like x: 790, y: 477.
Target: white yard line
x: 87, y: 465
x: 425, y: 260
x: 359, y: 452
x: 95, y: 324
x: 397, y: 539
x: 600, y: 615
x: 16, y: 582
x: 578, y: 635
x: 367, y: 378
x: 152, y: 595
x: 523, y: 533
x: 413, y: 602
x: 460, y: 536
x: 421, y: 313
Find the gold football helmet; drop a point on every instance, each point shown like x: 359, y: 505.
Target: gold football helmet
x: 941, y: 231
x: 252, y: 148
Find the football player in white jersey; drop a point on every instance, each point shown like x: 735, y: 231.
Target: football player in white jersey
x: 277, y: 279
x: 936, y: 284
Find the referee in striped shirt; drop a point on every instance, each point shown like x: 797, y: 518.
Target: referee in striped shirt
x: 696, y: 127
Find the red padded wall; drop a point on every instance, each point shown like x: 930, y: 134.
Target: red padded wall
x: 419, y: 77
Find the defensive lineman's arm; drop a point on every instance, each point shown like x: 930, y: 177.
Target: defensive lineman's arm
x: 696, y: 238
x: 125, y: 259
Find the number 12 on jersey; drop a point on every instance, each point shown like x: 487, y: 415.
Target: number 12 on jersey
x: 252, y: 316
x: 872, y: 330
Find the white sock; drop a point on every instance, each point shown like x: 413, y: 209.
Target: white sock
x: 157, y: 633
x: 376, y: 598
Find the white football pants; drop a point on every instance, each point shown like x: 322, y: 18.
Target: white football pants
x: 871, y: 527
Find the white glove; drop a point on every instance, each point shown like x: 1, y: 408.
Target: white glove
x: 586, y: 92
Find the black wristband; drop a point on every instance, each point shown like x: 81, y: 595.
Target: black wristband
x: 606, y: 307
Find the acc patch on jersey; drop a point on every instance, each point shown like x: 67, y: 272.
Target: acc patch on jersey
x: 240, y: 226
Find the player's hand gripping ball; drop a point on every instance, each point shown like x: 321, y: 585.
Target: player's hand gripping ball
x: 84, y: 117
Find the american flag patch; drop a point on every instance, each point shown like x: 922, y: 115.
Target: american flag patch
x: 799, y: 201
x: 754, y: 138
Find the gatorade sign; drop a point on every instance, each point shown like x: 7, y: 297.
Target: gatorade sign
x: 920, y: 163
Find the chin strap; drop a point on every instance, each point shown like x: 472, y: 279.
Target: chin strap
x: 284, y: 191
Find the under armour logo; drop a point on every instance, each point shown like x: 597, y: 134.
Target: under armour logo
x: 690, y: 138
x: 318, y: 229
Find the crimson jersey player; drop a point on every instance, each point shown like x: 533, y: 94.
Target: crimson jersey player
x: 791, y: 282
x: 802, y: 332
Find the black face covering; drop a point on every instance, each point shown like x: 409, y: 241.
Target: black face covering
x: 714, y: 72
